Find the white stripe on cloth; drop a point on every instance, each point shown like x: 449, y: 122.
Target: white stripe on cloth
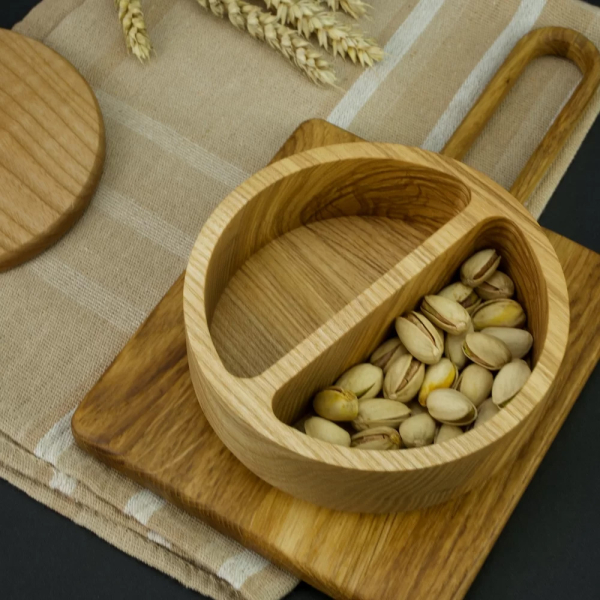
x: 170, y: 140
x: 143, y: 505
x: 142, y: 221
x: 398, y: 45
x: 58, y: 439
x: 159, y: 539
x: 87, y: 293
x: 237, y: 569
x: 522, y: 22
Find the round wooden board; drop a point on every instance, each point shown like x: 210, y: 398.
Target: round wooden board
x: 51, y: 147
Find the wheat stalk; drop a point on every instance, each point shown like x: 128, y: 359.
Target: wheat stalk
x: 343, y: 39
x: 355, y: 8
x: 265, y: 26
x: 134, y: 28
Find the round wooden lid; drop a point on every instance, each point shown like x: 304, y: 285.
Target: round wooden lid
x: 51, y: 147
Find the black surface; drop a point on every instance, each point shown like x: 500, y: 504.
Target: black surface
x: 549, y: 550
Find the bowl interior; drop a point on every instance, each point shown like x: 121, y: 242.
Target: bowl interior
x: 293, y: 399
x: 335, y: 228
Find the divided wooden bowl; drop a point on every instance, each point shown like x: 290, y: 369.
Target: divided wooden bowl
x: 299, y: 274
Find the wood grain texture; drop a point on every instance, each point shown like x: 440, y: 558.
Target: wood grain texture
x: 51, y: 147
x: 143, y: 419
x: 554, y: 41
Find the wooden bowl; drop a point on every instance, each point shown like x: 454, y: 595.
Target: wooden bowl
x: 308, y: 263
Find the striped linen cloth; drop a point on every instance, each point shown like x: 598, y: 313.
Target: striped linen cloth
x: 211, y: 108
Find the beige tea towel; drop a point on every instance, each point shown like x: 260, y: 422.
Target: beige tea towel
x: 211, y: 107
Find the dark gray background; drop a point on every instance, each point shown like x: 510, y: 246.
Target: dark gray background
x: 549, y: 550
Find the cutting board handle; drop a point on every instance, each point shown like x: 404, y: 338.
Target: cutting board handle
x: 555, y: 41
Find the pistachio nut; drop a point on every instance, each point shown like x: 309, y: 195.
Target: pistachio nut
x: 416, y: 408
x: 336, y: 404
x: 378, y: 438
x: 387, y: 353
x: 479, y: 267
x: 485, y: 412
x: 509, y: 381
x: 365, y: 380
x: 475, y: 383
x: 502, y: 312
x: 418, y: 431
x: 420, y: 337
x: 440, y: 375
x: 377, y: 412
x: 487, y: 351
x: 325, y: 430
x: 453, y: 347
x: 451, y: 407
x: 447, y: 314
x: 463, y: 294
x: 498, y: 285
x: 299, y: 424
x: 403, y: 379
x: 447, y: 432
x: 519, y: 341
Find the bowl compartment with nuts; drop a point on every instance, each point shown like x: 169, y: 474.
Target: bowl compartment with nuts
x: 253, y: 413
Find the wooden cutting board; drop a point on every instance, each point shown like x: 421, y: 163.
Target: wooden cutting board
x: 143, y: 419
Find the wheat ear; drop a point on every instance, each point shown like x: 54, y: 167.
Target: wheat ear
x: 134, y: 28
x: 355, y: 8
x: 265, y: 26
x: 344, y: 40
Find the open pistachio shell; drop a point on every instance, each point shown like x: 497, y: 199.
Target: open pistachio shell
x: 485, y: 412
x: 447, y: 314
x: 420, y: 337
x: 365, y: 380
x: 324, y: 430
x: 519, y: 341
x: 509, y: 381
x: 479, y: 267
x: 378, y: 412
x: 451, y: 407
x: 447, y: 432
x: 418, y: 431
x: 486, y: 351
x: 385, y: 354
x: 453, y: 347
x: 475, y: 383
x: 403, y: 379
x: 377, y: 438
x: 463, y: 294
x: 502, y: 312
x: 440, y: 375
x: 498, y: 285
x: 336, y: 404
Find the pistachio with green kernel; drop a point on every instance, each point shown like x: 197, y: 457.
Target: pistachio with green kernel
x: 485, y: 412
x: 509, y: 381
x: 519, y: 341
x: 326, y: 431
x: 440, y: 375
x: 387, y: 353
x: 498, y: 285
x: 420, y: 337
x: 447, y: 314
x: 453, y: 347
x: 463, y: 294
x: 336, y: 404
x: 379, y: 412
x: 502, y: 312
x: 418, y: 431
x: 403, y: 379
x: 475, y: 383
x: 447, y: 432
x: 365, y: 380
x: 378, y: 438
x: 451, y: 407
x: 486, y: 351
x: 477, y: 269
